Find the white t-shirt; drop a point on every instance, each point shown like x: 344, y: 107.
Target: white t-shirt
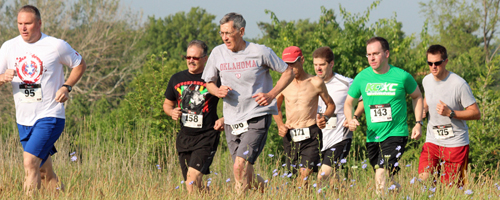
x: 456, y: 93
x: 337, y: 87
x: 247, y: 73
x: 40, y: 74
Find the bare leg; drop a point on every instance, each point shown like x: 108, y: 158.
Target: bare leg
x: 32, y: 173
x: 380, y: 180
x: 194, y: 177
x: 49, y: 177
x: 244, y: 175
x: 324, y: 175
x: 304, y: 176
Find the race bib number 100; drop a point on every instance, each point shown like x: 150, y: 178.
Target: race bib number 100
x: 443, y: 131
x: 192, y: 120
x: 381, y: 113
x: 31, y: 93
x: 300, y: 134
x: 239, y: 128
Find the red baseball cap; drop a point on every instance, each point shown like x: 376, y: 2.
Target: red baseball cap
x: 291, y: 54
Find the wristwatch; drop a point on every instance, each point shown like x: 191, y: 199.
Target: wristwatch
x: 355, y: 117
x: 69, y: 87
x: 419, y: 122
x: 452, y: 114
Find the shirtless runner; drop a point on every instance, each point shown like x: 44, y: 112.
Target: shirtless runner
x: 301, y: 136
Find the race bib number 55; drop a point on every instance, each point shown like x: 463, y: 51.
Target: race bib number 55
x: 381, y: 113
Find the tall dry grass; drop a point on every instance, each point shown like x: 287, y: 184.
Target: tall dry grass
x: 119, y: 169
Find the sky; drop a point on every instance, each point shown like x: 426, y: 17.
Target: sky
x: 407, y: 11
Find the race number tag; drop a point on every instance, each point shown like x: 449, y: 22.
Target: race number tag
x: 192, y: 120
x: 381, y: 113
x: 300, y: 134
x: 443, y: 131
x: 31, y: 93
x: 331, y: 123
x: 239, y: 128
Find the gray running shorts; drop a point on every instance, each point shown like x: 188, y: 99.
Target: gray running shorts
x: 249, y: 145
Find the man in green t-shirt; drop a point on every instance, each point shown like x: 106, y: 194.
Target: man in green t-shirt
x: 384, y: 88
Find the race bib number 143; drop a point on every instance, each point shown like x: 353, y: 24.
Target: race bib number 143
x: 381, y: 113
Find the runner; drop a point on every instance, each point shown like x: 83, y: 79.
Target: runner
x: 301, y: 136
x: 247, y: 89
x: 33, y: 63
x: 336, y: 137
x: 446, y: 148
x: 384, y: 88
x: 187, y: 98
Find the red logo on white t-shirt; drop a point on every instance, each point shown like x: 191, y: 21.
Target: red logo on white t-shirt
x: 29, y: 68
x: 238, y: 75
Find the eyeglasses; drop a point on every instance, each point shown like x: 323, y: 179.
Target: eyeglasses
x: 373, y: 54
x: 192, y: 57
x: 227, y: 33
x: 436, y: 63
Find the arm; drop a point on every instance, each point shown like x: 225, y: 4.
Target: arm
x: 219, y: 124
x: 359, y: 110
x: 75, y: 75
x: 330, y: 106
x: 470, y: 113
x: 426, y: 109
x: 348, y: 110
x: 286, y: 78
x: 282, y: 128
x: 417, y: 102
x: 220, y: 92
x: 171, y: 110
x: 7, y: 76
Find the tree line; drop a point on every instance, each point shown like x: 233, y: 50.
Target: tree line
x: 130, y: 61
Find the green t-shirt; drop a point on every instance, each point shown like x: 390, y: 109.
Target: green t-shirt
x: 378, y: 90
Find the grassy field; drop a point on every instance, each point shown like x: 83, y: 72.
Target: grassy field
x: 117, y: 169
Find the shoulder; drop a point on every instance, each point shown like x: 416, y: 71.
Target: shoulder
x: 427, y: 78
x: 457, y: 78
x: 10, y: 43
x: 317, y: 81
x: 398, y: 70
x: 343, y: 79
x: 259, y: 48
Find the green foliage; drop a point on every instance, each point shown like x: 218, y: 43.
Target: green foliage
x: 173, y: 33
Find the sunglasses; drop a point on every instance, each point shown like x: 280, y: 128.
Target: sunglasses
x: 435, y: 63
x: 192, y: 57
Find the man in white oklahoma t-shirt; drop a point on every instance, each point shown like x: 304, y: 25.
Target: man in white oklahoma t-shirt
x: 33, y: 63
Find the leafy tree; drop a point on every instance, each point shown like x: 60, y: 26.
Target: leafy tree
x: 173, y: 33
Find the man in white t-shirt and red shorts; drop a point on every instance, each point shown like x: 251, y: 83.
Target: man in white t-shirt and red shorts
x: 450, y: 102
x: 33, y: 63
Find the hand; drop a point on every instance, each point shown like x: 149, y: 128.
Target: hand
x: 443, y: 109
x: 283, y: 130
x: 320, y: 121
x: 219, y: 124
x: 176, y: 113
x: 263, y: 99
x: 416, y: 132
x: 353, y: 124
x: 8, y: 76
x: 223, y: 90
x: 62, y: 95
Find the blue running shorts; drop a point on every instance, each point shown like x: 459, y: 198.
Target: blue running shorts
x: 39, y: 139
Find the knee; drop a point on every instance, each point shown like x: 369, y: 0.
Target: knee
x: 423, y: 176
x: 31, y: 164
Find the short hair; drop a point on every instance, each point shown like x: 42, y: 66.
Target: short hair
x: 325, y: 53
x: 383, y: 42
x: 30, y: 9
x: 237, y: 19
x: 437, y: 49
x: 199, y: 44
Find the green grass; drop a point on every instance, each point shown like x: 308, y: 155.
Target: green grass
x: 121, y: 169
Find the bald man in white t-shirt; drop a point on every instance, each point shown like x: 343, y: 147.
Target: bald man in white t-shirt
x: 33, y: 63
